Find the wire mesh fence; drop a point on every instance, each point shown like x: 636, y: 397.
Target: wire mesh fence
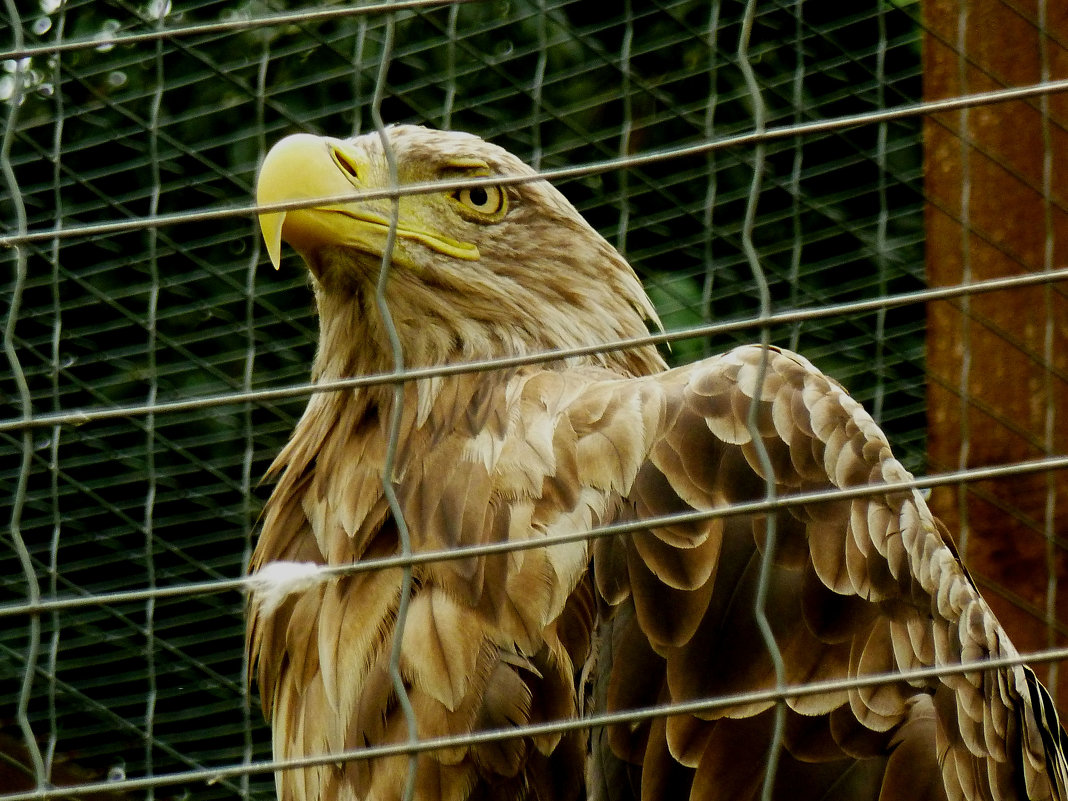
x: 143, y: 334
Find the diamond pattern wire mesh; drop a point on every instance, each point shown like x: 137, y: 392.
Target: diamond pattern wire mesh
x: 140, y: 125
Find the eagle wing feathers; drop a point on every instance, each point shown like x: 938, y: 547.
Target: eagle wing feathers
x: 700, y: 465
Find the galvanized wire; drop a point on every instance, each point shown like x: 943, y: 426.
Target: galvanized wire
x: 259, y: 376
x: 82, y: 417
x: 1048, y: 349
x: 393, y: 427
x: 313, y: 572
x: 593, y: 721
x: 964, y: 377
x: 767, y: 556
x: 18, y: 51
x: 18, y: 502
x: 744, y: 140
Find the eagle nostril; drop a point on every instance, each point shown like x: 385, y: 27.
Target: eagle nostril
x: 346, y: 164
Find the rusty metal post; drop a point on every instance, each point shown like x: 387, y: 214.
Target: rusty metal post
x: 998, y: 363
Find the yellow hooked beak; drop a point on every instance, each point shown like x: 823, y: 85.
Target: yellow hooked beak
x: 306, y: 167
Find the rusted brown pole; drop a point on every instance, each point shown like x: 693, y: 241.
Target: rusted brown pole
x: 997, y: 391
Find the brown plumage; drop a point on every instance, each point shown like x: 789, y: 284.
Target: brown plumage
x: 857, y: 586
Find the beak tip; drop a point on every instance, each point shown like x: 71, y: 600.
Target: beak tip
x: 271, y: 228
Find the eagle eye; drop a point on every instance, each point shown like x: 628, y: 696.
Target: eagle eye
x: 485, y: 204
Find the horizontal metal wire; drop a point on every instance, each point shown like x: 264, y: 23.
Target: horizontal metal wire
x: 327, y: 572
x: 590, y: 168
x: 304, y: 389
x: 82, y: 417
x: 122, y: 725
x: 595, y: 721
x: 229, y: 26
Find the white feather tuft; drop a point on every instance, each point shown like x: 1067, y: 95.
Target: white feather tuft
x: 275, y: 581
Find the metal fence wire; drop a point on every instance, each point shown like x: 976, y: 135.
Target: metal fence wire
x: 154, y: 367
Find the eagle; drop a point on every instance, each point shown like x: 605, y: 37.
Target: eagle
x: 731, y: 591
